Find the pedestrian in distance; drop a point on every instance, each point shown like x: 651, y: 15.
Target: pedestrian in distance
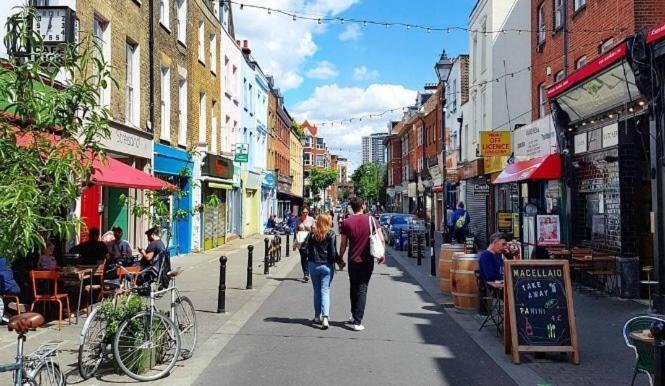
x: 460, y: 220
x: 322, y: 255
x: 304, y: 227
x: 355, y: 235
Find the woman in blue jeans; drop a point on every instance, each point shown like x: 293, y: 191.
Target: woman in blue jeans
x: 321, y: 258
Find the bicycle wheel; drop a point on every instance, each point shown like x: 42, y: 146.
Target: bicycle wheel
x: 92, y: 347
x: 146, y: 346
x: 185, y: 320
x: 49, y: 374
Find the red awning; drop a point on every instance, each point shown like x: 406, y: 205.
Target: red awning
x: 541, y: 168
x: 656, y: 34
x: 437, y: 189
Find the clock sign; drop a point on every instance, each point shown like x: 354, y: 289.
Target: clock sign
x: 55, y: 25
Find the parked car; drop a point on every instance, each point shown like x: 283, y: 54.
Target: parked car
x: 398, y: 222
x: 338, y: 208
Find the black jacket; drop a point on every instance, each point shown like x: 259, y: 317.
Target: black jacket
x: 324, y: 251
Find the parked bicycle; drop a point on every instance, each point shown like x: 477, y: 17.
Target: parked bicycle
x: 40, y: 367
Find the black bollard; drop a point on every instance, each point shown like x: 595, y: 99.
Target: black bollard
x: 250, y: 252
x: 279, y: 248
x: 272, y: 253
x: 266, y: 262
x: 401, y: 245
x: 221, y: 294
x: 420, y: 251
x: 432, y: 261
x: 287, y: 243
x: 409, y: 250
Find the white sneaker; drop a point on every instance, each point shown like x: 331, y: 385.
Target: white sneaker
x: 358, y: 327
x: 325, y: 323
x: 350, y: 320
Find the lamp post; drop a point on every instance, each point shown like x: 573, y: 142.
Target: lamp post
x: 442, y: 69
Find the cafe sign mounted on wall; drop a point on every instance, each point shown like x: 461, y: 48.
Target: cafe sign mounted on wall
x: 56, y: 26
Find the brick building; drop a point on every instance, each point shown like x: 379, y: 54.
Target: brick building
x: 394, y: 167
x: 315, y: 155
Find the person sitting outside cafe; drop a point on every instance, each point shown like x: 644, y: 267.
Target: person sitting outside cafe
x: 47, y: 260
x: 91, y: 251
x: 490, y: 260
x: 119, y: 252
x: 271, y: 222
x: 155, y: 254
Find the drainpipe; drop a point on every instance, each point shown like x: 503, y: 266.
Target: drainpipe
x: 151, y: 48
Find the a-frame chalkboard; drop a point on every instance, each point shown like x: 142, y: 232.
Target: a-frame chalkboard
x: 539, y: 308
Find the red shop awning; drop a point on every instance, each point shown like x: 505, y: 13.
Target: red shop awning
x: 437, y: 189
x: 541, y: 168
x: 656, y: 34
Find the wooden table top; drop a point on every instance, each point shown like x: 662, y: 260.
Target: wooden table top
x: 642, y: 336
x: 499, y: 284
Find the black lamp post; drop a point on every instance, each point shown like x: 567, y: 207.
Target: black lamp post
x: 442, y: 68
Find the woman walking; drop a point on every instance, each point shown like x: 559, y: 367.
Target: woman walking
x: 304, y: 227
x: 322, y: 256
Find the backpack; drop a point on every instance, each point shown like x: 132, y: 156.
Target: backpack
x: 460, y: 222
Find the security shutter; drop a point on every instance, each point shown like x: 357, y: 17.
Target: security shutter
x: 477, y: 194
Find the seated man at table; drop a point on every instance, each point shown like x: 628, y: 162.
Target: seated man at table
x: 490, y: 260
x: 156, y: 255
x: 119, y: 252
x: 93, y: 250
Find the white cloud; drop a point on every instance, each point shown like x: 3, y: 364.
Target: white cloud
x: 351, y: 32
x: 324, y: 70
x: 281, y: 45
x: 363, y: 73
x: 332, y: 103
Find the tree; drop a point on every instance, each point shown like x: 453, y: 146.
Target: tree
x: 320, y: 180
x: 42, y: 175
x: 367, y: 180
x: 297, y: 127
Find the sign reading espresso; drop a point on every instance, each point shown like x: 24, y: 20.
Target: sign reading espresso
x: 495, y: 143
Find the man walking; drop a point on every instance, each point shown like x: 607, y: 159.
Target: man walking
x: 460, y: 220
x: 355, y: 233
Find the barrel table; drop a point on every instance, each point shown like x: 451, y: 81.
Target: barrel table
x: 446, y: 264
x: 464, y: 287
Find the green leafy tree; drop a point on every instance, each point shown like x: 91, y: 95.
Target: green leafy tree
x: 297, y: 128
x: 368, y: 181
x: 40, y: 178
x: 321, y: 179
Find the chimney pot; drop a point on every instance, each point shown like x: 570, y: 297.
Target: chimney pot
x: 245, y: 44
x: 238, y: 43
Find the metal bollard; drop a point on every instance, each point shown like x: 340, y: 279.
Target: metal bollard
x: 266, y: 262
x: 250, y: 252
x: 432, y: 261
x: 272, y: 253
x: 420, y: 251
x: 287, y: 243
x: 401, y: 245
x: 221, y: 294
x: 409, y: 250
x: 279, y: 248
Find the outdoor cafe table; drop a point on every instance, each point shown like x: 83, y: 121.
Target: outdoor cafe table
x: 642, y: 336
x: 78, y: 274
x: 495, y: 312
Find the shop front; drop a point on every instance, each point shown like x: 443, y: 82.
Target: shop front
x: 268, y: 198
x: 175, y: 166
x: 476, y: 199
x: 251, y: 203
x: 502, y: 198
x: 287, y: 202
x: 234, y: 206
x: 217, y: 181
x: 603, y: 116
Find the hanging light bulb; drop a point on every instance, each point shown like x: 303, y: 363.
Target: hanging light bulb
x: 318, y: 21
x: 448, y: 30
x: 631, y: 109
x: 269, y: 11
x: 365, y: 23
x: 408, y: 27
x: 641, y: 103
x: 242, y: 6
x: 429, y: 30
x: 294, y: 17
x: 386, y: 25
x: 341, y: 21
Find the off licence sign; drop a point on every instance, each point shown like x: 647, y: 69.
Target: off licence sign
x: 495, y: 143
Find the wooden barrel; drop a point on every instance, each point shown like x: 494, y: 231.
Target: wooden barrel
x: 464, y: 287
x: 446, y: 264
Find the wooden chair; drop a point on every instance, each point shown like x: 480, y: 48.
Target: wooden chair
x: 580, y: 262
x: 603, y: 272
x: 645, y: 361
x: 92, y: 286
x: 49, y: 277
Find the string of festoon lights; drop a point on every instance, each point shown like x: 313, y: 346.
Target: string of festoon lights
x: 321, y: 19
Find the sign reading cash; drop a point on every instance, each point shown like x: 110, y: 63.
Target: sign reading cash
x: 495, y: 143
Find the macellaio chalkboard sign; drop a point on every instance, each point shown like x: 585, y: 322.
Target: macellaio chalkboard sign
x: 540, y: 312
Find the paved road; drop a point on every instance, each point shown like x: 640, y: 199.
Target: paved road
x: 408, y: 340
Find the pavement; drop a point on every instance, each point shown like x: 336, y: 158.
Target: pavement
x: 413, y: 335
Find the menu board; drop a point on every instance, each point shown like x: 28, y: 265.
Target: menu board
x: 540, y: 309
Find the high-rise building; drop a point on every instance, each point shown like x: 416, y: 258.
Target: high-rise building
x: 373, y: 149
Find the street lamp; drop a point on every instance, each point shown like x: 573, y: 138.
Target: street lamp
x: 442, y: 68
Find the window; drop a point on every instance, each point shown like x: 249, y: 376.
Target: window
x: 227, y: 76
x: 164, y: 12
x: 579, y: 4
x: 541, y: 24
x: 307, y: 158
x: 132, y: 83
x: 165, y: 103
x: 101, y: 33
x: 320, y: 160
x: 202, y: 118
x: 213, y: 53
x: 483, y: 48
x: 319, y: 143
x: 483, y: 112
x: 581, y: 62
x: 474, y: 63
x: 420, y: 136
x: 559, y: 76
x: 542, y: 97
x: 181, y: 20
x: 182, y: 112
x: 250, y: 97
x: 607, y: 45
x: 558, y: 14
x: 213, y: 128
x: 307, y: 142
x: 245, y: 93
x: 202, y: 57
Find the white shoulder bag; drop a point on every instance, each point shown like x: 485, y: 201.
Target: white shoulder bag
x: 376, y: 247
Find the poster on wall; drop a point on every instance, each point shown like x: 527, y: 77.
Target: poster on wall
x: 548, y: 230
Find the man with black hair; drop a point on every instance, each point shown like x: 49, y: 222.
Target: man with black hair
x: 355, y: 233
x: 155, y: 246
x: 92, y: 250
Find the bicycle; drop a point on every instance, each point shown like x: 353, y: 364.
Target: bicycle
x: 39, y: 367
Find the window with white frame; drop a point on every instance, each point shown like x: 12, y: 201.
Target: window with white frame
x: 420, y: 135
x: 541, y: 23
x: 250, y: 98
x: 165, y: 103
x: 476, y: 55
x: 245, y: 94
x: 483, y: 111
x: 558, y: 14
x: 182, y: 112
x: 307, y: 158
x: 201, y: 33
x: 227, y: 76
x: 164, y: 12
x: 607, y: 45
x: 213, y: 127
x: 213, y: 53
x: 483, y: 47
x: 320, y: 160
x: 320, y: 144
x: 102, y: 34
x: 132, y: 102
x: 181, y: 20
x: 542, y: 99
x: 581, y: 62
x: 202, y: 118
x: 579, y: 4
x: 559, y: 76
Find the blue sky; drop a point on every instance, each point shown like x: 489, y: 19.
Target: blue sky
x: 334, y: 71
